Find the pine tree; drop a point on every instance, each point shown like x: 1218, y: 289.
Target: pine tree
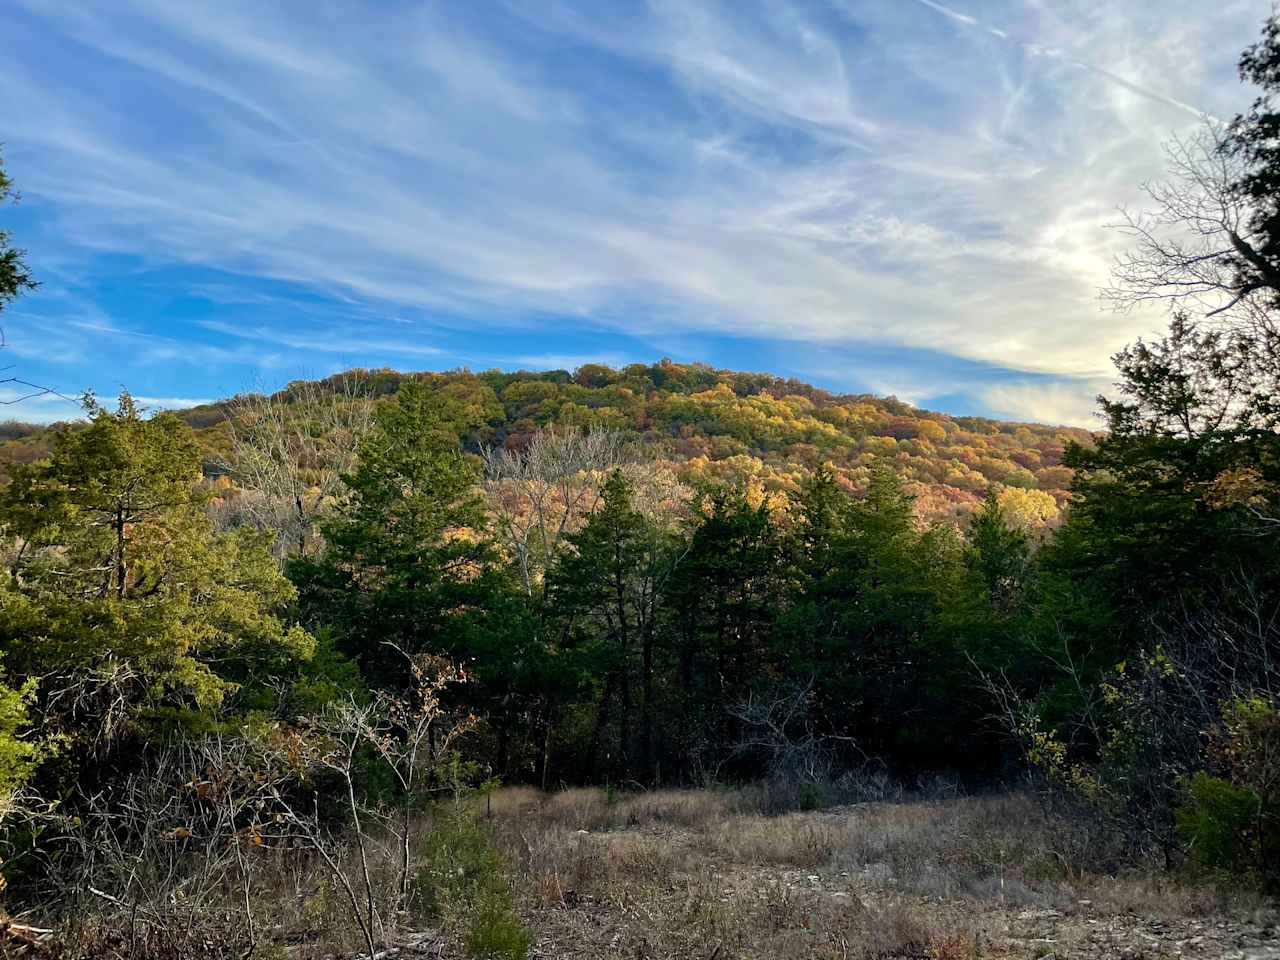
x: 407, y: 547
x: 608, y: 588
x: 998, y: 555
x: 724, y: 600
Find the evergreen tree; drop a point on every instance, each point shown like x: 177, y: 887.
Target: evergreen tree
x: 407, y: 553
x: 118, y: 593
x: 725, y: 597
x: 1256, y: 136
x: 998, y: 556
x: 608, y: 589
x: 866, y: 620
x: 15, y: 277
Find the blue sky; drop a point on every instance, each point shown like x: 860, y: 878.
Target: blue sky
x: 896, y: 196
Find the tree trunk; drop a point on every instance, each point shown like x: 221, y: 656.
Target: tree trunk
x: 122, y: 570
x: 302, y: 525
x: 504, y: 741
x: 624, y: 725
x: 597, y: 731
x: 646, y: 706
x: 624, y: 660
x: 546, y: 749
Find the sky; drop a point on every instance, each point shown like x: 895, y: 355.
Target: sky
x: 900, y: 197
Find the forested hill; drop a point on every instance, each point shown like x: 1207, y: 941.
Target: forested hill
x: 714, y: 424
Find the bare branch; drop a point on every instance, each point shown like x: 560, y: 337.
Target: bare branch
x: 1195, y: 247
x: 546, y: 490
x: 289, y: 452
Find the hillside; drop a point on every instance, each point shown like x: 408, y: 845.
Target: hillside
x: 718, y: 424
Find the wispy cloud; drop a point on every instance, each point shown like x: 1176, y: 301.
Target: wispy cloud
x: 1067, y: 402
x: 171, y: 403
x: 568, y: 361
x: 288, y: 190
x: 948, y: 12
x: 333, y: 340
x: 1038, y: 49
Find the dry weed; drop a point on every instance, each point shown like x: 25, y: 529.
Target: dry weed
x: 793, y: 840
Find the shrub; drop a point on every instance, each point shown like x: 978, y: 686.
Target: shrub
x: 1215, y: 821
x: 463, y: 886
x: 1233, y: 821
x: 18, y: 755
x: 810, y: 796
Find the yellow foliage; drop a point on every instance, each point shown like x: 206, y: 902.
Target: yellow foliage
x: 1030, y: 511
x: 932, y: 431
x: 1241, y: 487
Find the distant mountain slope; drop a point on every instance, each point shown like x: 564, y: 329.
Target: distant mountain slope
x: 720, y: 424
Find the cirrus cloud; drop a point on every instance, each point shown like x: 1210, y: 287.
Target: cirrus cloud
x: 226, y: 188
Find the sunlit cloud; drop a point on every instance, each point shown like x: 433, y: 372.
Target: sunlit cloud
x: 223, y: 192
x: 1070, y: 402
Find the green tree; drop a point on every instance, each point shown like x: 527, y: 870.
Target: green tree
x: 998, y: 556
x: 608, y: 590
x: 1149, y: 526
x: 15, y: 277
x: 119, y: 595
x: 1255, y: 137
x: 866, y: 623
x: 723, y: 603
x: 1162, y: 584
x: 407, y: 549
x: 18, y: 755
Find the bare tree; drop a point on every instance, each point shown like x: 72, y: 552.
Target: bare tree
x: 1121, y: 762
x: 171, y: 854
x: 547, y: 490
x: 540, y: 493
x: 1197, y: 246
x: 1201, y: 250
x: 780, y: 726
x: 343, y: 731
x: 415, y: 735
x: 537, y: 494
x: 290, y: 450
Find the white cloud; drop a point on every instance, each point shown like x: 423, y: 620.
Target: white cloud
x: 569, y: 361
x: 1069, y: 403
x: 930, y: 179
x: 948, y: 12
x: 335, y: 339
x: 153, y: 404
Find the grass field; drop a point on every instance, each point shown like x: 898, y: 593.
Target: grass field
x: 582, y: 874
x: 701, y: 874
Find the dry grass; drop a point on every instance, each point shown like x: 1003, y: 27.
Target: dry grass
x: 703, y: 874
x: 794, y: 840
x: 587, y: 808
